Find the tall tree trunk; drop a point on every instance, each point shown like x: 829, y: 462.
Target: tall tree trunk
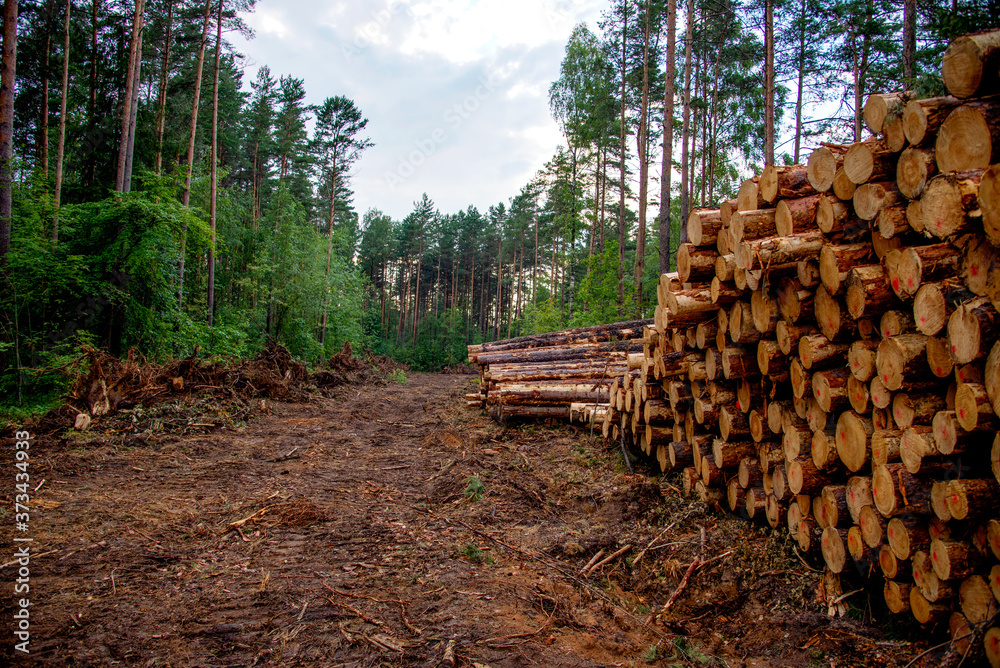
x: 130, y: 84
x: 161, y: 114
x: 713, y: 124
x: 597, y: 207
x: 909, y: 41
x: 496, y: 320
x: 552, y: 294
x: 214, y: 170
x: 416, y: 293
x: 666, y: 167
x: 604, y: 189
x: 437, y: 289
x: 534, y: 268
x: 329, y: 252
x: 801, y: 80
x: 768, y: 82
x: 640, y: 242
x: 686, y: 124
x: 43, y: 133
x: 186, y: 194
x: 472, y: 296
x: 693, y: 155
x: 568, y: 258
x: 621, y: 182
x: 94, y: 56
x: 90, y: 169
x: 134, y: 111
x: 62, y: 126
x: 7, y: 60
x: 520, y: 280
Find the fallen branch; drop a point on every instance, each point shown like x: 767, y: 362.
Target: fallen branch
x: 593, y: 560
x: 646, y: 549
x: 609, y: 559
x: 357, y: 613
x: 680, y: 587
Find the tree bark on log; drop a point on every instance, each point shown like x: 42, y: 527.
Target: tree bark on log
x: 893, y: 221
x: 784, y: 182
x: 703, y: 226
x: 912, y: 408
x: 922, y: 118
x: 796, y: 215
x: 822, y: 166
x: 915, y: 167
x: 870, y: 198
x: 753, y: 224
x: 833, y: 215
x: 631, y: 329
x: 973, y: 408
x: 861, y: 358
x: 902, y: 358
x: 950, y: 203
x: 920, y: 264
x: 748, y: 197
x: 897, y: 492
x: 969, y: 64
x: 853, y: 434
x: 835, y: 261
x: 695, y: 264
x: 779, y: 250
x: 917, y: 442
x: 869, y: 160
x: 989, y: 201
x: 972, y: 328
x: 877, y: 108
x: 843, y: 187
x: 970, y: 137
x: 869, y: 293
x: 935, y: 302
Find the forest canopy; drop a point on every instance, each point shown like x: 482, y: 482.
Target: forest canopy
x: 157, y: 195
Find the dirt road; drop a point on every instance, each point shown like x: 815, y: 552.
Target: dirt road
x: 391, y: 526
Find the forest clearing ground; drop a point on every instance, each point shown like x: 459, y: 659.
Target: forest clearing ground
x: 341, y: 532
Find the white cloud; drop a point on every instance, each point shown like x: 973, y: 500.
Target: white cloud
x: 407, y: 64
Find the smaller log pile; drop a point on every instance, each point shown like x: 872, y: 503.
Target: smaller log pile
x: 563, y: 375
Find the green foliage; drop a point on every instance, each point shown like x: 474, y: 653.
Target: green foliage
x: 474, y: 488
x: 651, y: 654
x: 599, y: 289
x: 397, y: 376
x: 475, y: 554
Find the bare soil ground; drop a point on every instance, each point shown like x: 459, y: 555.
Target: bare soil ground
x: 350, y: 531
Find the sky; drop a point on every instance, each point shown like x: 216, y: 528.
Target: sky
x: 455, y: 91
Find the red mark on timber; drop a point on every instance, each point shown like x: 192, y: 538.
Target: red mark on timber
x: 895, y: 284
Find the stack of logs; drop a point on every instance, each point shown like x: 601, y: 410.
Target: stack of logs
x: 827, y: 355
x: 561, y: 375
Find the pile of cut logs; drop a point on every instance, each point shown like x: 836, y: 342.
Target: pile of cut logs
x: 827, y: 355
x: 563, y: 374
